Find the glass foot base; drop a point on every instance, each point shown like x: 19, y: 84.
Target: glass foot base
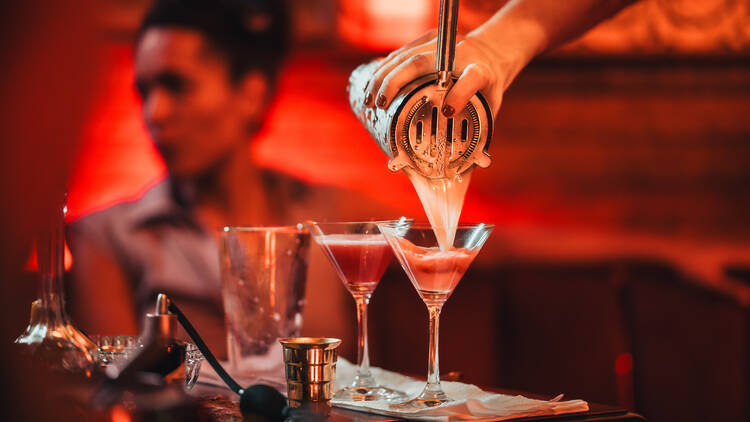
x: 368, y: 394
x: 425, y: 400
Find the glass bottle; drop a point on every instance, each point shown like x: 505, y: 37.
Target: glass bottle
x: 52, y: 340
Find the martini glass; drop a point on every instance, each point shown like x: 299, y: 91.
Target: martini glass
x: 360, y: 255
x: 434, y: 273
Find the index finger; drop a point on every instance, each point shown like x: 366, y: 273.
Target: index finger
x: 422, y: 39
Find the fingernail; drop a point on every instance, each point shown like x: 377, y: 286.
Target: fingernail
x: 368, y: 99
x: 381, y: 100
x: 447, y: 110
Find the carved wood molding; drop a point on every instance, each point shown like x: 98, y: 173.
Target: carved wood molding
x: 672, y: 27
x: 649, y: 27
x: 652, y: 27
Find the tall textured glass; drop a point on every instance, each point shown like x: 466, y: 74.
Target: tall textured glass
x: 263, y: 273
x: 51, y: 338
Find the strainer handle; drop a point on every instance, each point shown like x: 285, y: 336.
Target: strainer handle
x: 446, y: 44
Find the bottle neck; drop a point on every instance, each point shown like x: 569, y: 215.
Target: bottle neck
x: 50, y: 245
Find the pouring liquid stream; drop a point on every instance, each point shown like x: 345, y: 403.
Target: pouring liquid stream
x: 435, y: 271
x: 442, y: 200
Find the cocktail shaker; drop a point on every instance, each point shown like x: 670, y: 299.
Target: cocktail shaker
x: 412, y: 131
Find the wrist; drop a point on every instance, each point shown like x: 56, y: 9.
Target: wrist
x: 512, y: 40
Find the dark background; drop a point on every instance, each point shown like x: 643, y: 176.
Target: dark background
x: 620, y: 188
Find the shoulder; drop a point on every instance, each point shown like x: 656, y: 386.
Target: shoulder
x: 104, y: 224
x: 286, y: 184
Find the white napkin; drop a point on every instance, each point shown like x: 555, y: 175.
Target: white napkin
x: 245, y: 377
x: 470, y: 402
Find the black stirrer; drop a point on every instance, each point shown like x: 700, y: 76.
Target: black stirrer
x: 258, y: 399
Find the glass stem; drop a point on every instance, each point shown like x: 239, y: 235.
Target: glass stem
x: 363, y: 356
x: 433, y: 366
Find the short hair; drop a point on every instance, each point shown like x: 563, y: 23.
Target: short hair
x: 250, y: 34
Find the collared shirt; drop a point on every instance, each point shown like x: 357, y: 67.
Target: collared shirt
x: 160, y: 245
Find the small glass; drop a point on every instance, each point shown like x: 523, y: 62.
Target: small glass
x: 117, y: 350
x: 310, y: 371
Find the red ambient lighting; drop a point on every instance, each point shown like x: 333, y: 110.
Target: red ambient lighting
x: 623, y: 363
x: 382, y: 25
x: 32, y: 264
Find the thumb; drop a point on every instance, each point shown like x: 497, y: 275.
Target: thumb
x: 472, y: 79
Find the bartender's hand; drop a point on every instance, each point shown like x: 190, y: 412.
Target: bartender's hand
x: 479, y: 69
x: 491, y: 56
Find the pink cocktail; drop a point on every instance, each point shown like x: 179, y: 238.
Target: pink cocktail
x: 360, y: 259
x: 434, y: 270
x: 360, y: 255
x: 436, y: 273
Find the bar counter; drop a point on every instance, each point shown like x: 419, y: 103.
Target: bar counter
x: 222, y: 406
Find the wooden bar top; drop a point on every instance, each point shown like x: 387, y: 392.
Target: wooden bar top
x: 223, y: 406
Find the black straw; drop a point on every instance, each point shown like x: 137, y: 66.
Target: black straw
x: 210, y: 358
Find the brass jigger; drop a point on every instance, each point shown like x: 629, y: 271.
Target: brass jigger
x: 310, y: 370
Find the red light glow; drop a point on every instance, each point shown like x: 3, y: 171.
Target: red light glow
x: 311, y: 134
x: 119, y: 414
x: 623, y: 364
x: 381, y: 25
x: 117, y: 159
x: 32, y: 264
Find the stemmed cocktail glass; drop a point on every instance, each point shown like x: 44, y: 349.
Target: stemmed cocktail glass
x: 434, y: 274
x: 360, y: 255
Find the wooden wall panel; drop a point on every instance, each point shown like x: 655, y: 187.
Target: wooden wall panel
x: 647, y: 147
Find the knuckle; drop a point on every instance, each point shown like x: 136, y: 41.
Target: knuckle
x: 402, y: 57
x: 477, y: 72
x: 380, y: 75
x: 391, y: 55
x: 387, y: 83
x: 474, y: 68
x: 418, y: 60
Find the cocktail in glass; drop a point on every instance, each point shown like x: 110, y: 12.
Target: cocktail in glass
x: 434, y: 273
x: 360, y: 255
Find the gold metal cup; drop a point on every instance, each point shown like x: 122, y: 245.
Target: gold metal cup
x: 310, y: 369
